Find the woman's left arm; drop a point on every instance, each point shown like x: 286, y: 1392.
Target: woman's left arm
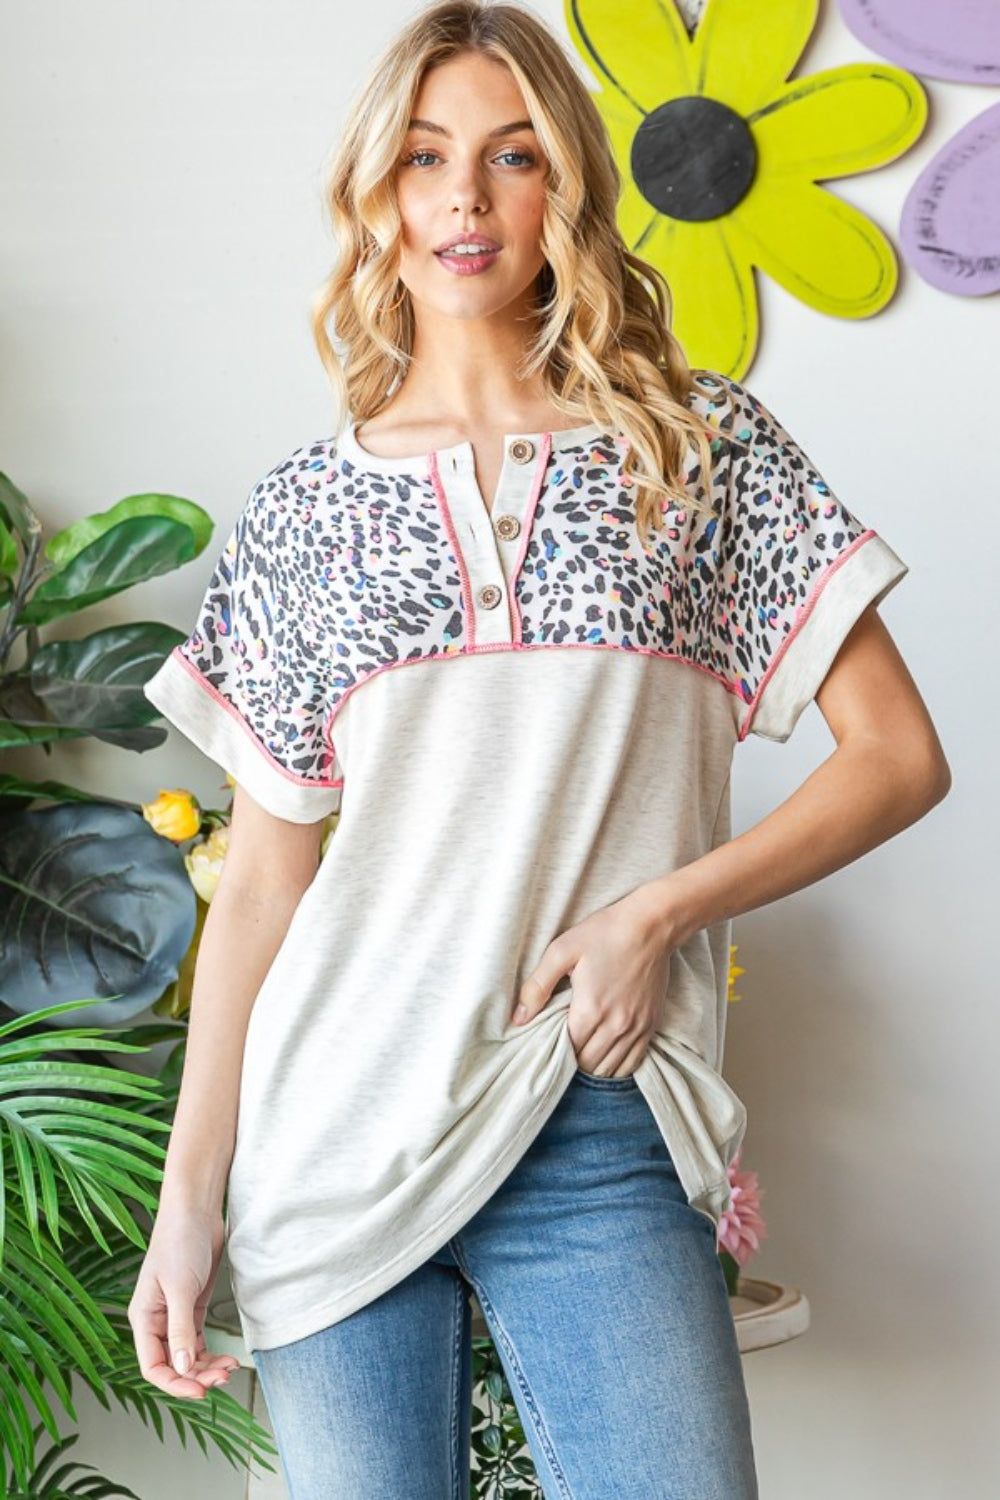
x: 887, y: 771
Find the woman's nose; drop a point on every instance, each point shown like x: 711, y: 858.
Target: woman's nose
x: 468, y: 190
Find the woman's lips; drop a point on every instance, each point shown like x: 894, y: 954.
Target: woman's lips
x: 467, y: 265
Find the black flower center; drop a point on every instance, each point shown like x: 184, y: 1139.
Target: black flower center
x: 694, y: 158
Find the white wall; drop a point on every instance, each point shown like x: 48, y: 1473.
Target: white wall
x: 162, y: 235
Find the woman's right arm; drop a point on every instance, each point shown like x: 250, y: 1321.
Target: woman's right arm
x: 268, y: 865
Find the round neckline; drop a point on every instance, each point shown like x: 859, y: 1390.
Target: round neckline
x: 566, y: 437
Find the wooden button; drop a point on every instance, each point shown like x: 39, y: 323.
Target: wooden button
x: 507, y: 527
x: 490, y: 596
x: 521, y: 450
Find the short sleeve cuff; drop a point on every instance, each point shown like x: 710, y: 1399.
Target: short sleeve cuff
x: 864, y: 575
x: 213, y: 724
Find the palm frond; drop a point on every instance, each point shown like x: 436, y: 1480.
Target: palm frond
x: 97, y: 1151
x: 65, y: 1158
x: 48, y: 1483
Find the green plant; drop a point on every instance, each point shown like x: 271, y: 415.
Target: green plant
x: 502, y: 1465
x: 74, y: 874
x: 94, y: 901
x: 72, y: 688
x: 78, y: 1175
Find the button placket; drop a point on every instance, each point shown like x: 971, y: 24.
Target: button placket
x: 490, y: 541
x: 507, y: 519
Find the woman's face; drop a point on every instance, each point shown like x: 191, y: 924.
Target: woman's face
x: 471, y: 163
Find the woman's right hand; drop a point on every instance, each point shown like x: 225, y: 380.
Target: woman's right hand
x: 167, y: 1309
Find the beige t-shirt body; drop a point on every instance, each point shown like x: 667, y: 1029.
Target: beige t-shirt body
x: 521, y: 717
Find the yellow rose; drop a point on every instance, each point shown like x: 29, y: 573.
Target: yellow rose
x: 204, y: 861
x: 175, y: 814
x: 734, y: 972
x: 329, y: 829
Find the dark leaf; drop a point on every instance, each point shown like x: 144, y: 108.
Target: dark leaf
x: 92, y: 902
x: 96, y: 683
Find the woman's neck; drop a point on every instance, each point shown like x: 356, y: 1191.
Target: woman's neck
x: 465, y: 371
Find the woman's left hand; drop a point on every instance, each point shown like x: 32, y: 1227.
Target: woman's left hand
x: 619, y: 958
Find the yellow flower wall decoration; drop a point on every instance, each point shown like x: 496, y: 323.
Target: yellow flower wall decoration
x: 720, y: 157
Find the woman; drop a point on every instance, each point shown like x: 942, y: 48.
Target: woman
x: 478, y: 1043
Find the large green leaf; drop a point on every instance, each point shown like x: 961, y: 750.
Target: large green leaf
x: 24, y: 719
x: 53, y: 1137
x: 20, y: 732
x: 9, y: 559
x: 92, y: 686
x: 128, y: 553
x: 57, y: 791
x: 92, y: 902
x: 96, y: 683
x: 16, y: 512
x: 64, y: 545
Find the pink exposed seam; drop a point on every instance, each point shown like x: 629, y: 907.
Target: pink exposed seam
x: 463, y: 572
x: 529, y: 526
x: 805, y: 611
x: 423, y: 661
x: 237, y: 718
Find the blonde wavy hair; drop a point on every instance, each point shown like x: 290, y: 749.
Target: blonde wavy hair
x: 603, y: 338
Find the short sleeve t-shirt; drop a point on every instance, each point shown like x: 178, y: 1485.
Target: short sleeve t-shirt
x: 520, y: 714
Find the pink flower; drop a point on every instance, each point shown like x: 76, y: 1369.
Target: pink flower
x: 742, y: 1226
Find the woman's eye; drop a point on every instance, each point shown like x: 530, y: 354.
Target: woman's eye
x: 522, y: 156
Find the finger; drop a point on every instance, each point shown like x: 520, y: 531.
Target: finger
x: 152, y: 1354
x: 532, y: 998
x: 163, y: 1375
x: 208, y: 1362
x: 213, y: 1367
x: 623, y: 1064
x: 182, y: 1336
x: 609, y: 1058
x: 556, y: 963
x: 632, y: 1059
x: 209, y: 1368
x: 595, y: 1049
x: 159, y: 1372
x: 154, y: 1367
x: 535, y: 995
x: 147, y: 1323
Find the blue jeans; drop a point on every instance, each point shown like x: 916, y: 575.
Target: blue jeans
x: 603, y: 1294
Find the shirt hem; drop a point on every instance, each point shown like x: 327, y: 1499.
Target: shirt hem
x: 258, y: 1335
x: 860, y: 577
x: 708, y: 1196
